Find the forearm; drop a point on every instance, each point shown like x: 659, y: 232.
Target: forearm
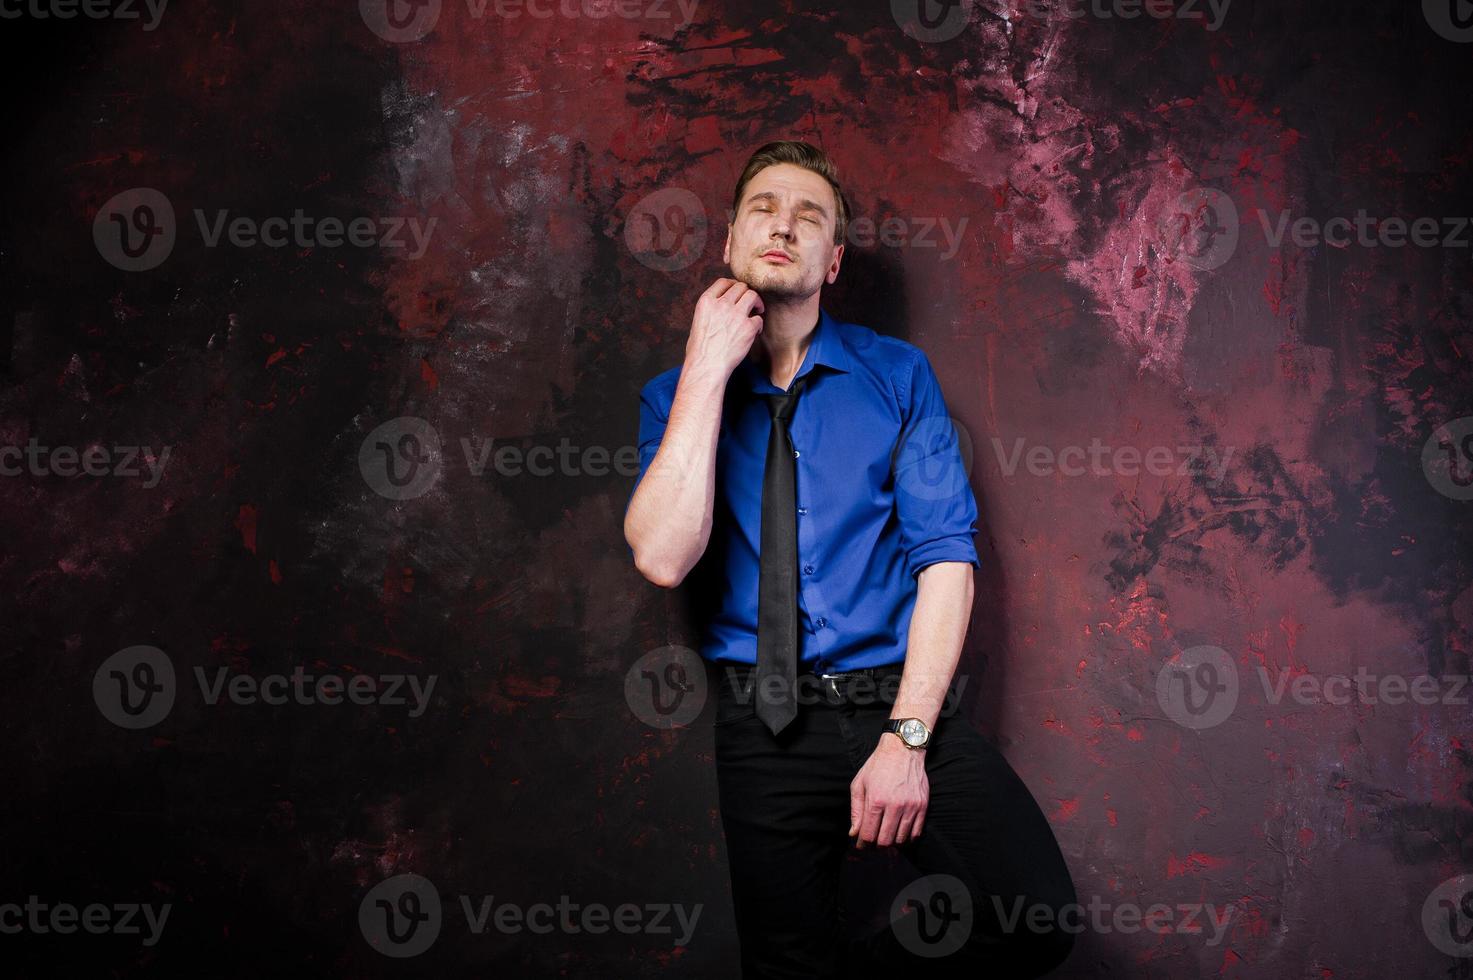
x: 938, y: 625
x: 668, y: 524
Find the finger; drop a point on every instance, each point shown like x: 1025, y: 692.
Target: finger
x: 888, y: 825
x: 751, y: 301
x: 920, y: 819
x: 903, y: 828
x: 856, y: 805
x: 719, y: 287
x: 870, y: 822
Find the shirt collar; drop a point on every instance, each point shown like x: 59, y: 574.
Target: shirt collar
x: 826, y: 348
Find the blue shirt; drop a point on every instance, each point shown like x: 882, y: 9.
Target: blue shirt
x: 882, y: 492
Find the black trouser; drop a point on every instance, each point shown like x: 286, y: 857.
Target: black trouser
x: 785, y: 811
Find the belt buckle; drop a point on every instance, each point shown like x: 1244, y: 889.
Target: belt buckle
x: 833, y: 685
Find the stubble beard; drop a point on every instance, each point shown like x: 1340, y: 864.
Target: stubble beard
x: 772, y: 282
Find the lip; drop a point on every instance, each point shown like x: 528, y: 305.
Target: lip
x: 778, y: 256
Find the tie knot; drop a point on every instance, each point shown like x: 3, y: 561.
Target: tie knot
x: 781, y: 406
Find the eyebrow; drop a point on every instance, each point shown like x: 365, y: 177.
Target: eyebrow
x: 804, y: 203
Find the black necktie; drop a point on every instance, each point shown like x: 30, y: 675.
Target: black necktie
x: 777, y: 587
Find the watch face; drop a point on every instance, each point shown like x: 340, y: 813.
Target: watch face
x: 913, y: 731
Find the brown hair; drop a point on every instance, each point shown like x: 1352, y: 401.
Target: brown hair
x: 804, y: 155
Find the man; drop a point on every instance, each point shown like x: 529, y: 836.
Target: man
x: 807, y: 471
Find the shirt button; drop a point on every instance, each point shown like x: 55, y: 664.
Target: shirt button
x: 807, y: 569
x: 796, y: 454
x: 820, y: 622
x: 803, y: 511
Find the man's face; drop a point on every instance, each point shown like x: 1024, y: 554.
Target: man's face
x: 781, y: 242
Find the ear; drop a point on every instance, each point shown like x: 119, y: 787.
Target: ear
x: 726, y: 249
x: 834, y: 265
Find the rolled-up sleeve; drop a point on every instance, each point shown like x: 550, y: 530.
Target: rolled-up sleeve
x: 654, y: 415
x: 933, y: 496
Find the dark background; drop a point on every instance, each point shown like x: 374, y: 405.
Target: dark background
x: 529, y: 319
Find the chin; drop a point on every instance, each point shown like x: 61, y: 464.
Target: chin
x: 770, y: 282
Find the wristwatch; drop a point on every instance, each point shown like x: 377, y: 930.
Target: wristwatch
x: 912, y: 731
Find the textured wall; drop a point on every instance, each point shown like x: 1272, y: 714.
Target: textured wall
x: 1049, y: 244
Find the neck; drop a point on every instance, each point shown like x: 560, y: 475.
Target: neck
x: 787, y: 330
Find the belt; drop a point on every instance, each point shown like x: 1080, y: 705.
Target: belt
x: 841, y: 685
